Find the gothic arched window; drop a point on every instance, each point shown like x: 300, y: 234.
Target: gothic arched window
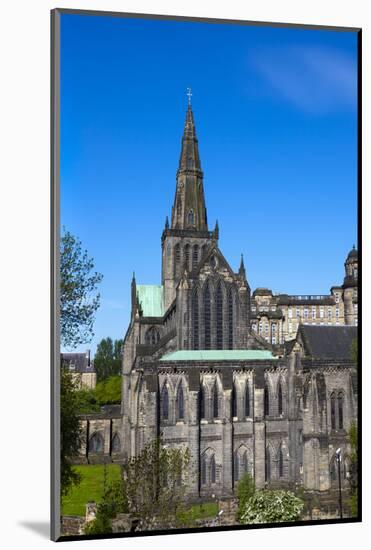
x: 96, y: 443
x: 187, y: 257
x: 244, y: 463
x: 280, y: 463
x: 177, y: 260
x: 191, y: 218
x: 195, y: 256
x: 195, y: 320
x: 201, y: 397
x: 340, y: 411
x: 203, y: 470
x: 267, y: 465
x: 180, y: 402
x: 234, y: 401
x: 266, y: 400
x: 115, y: 444
x: 207, y: 317
x: 152, y: 336
x: 236, y: 467
x: 165, y: 403
x: 230, y: 320
x: 219, y: 317
x: 212, y: 469
x: 247, y: 400
x: 333, y: 411
x: 215, y: 401
x: 280, y: 403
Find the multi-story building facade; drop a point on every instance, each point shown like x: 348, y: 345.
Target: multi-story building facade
x: 277, y: 317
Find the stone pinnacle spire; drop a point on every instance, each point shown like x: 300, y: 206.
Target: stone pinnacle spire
x: 189, y: 210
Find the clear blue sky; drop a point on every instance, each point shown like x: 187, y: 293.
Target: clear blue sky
x: 276, y: 116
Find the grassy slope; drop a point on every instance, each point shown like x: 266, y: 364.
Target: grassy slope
x: 90, y: 488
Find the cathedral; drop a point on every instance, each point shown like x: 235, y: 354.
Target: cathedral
x: 201, y: 369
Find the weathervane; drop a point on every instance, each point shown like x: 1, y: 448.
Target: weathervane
x: 189, y: 94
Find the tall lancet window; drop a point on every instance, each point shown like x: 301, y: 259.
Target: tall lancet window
x: 219, y: 317
x: 247, y: 399
x: 165, y: 403
x: 195, y: 256
x: 267, y: 465
x: 207, y: 317
x: 201, y: 402
x: 280, y: 463
x: 212, y: 469
x: 177, y: 260
x: 187, y: 257
x: 230, y: 319
x: 266, y: 401
x: 280, y: 403
x: 195, y: 320
x: 180, y: 402
x: 234, y: 401
x: 340, y: 411
x: 333, y: 405
x: 215, y: 401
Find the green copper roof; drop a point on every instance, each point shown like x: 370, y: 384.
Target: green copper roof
x: 151, y: 300
x: 218, y: 355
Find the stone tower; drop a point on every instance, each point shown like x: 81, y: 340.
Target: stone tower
x: 188, y: 236
x: 350, y: 288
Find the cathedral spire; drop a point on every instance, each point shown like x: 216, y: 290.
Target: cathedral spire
x: 242, y: 271
x: 189, y: 210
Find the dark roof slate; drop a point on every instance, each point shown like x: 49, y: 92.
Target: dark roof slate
x: 327, y: 342
x: 78, y: 362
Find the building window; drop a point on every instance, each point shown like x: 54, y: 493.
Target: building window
x: 230, y: 319
x: 234, y: 401
x: 215, y: 401
x: 195, y: 256
x: 180, y: 402
x: 187, y: 257
x: 306, y: 313
x: 115, y: 444
x: 207, y: 317
x: 340, y: 411
x: 274, y: 328
x: 290, y: 328
x: 254, y: 327
x: 177, y: 260
x: 152, y: 336
x: 280, y: 401
x: 260, y: 327
x: 314, y: 313
x: 96, y: 443
x: 203, y: 470
x: 298, y: 312
x: 274, y: 340
x: 280, y: 463
x: 247, y: 400
x: 333, y: 413
x: 212, y: 469
x: 201, y: 400
x: 267, y: 465
x: 266, y: 401
x: 266, y: 328
x: 195, y: 319
x: 321, y: 312
x: 337, y: 312
x: 290, y: 313
x: 219, y: 317
x: 191, y: 218
x: 165, y: 403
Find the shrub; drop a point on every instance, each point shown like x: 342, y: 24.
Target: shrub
x: 268, y: 506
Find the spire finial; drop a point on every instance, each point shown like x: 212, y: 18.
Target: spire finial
x: 133, y: 276
x: 189, y: 94
x: 167, y: 223
x: 242, y: 267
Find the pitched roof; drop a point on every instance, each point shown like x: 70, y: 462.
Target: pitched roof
x: 327, y: 342
x: 78, y: 361
x: 151, y: 299
x: 218, y: 355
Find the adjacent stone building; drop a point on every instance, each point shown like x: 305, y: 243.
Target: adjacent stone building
x: 201, y: 369
x: 81, y: 368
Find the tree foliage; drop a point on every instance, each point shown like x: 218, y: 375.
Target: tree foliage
x: 245, y: 490
x: 71, y: 437
x: 108, y: 358
x: 79, y: 299
x: 107, y: 392
x: 272, y: 506
x: 353, y: 473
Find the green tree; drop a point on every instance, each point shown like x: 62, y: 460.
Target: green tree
x: 245, y: 490
x: 108, y: 391
x: 108, y: 358
x: 79, y: 299
x: 267, y: 506
x: 71, y: 438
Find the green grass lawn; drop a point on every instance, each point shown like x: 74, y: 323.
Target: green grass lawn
x: 90, y: 488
